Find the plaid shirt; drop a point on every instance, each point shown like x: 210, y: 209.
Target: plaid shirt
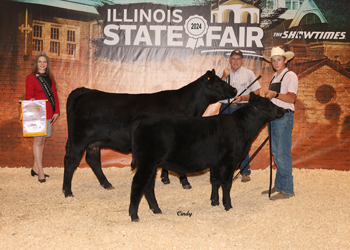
x: 240, y: 80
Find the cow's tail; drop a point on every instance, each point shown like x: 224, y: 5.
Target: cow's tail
x: 69, y: 108
x: 133, y: 165
x: 135, y: 122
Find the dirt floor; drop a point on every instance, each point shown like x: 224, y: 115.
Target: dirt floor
x: 38, y: 216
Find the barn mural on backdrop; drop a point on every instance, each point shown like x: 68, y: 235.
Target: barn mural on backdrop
x: 144, y: 47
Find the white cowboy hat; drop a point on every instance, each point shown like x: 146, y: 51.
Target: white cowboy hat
x: 277, y: 51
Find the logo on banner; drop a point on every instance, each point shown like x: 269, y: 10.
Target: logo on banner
x: 195, y: 27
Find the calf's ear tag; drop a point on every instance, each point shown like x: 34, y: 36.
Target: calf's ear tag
x: 208, y: 78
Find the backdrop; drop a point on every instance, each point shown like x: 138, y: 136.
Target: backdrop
x: 148, y: 46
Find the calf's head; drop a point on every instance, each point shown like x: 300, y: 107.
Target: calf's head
x: 217, y: 89
x: 270, y: 110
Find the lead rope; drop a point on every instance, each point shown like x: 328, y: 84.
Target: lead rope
x: 269, y: 127
x: 240, y: 94
x: 250, y: 159
x: 228, y: 79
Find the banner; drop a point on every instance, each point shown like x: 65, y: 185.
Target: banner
x: 156, y: 31
x: 146, y: 46
x: 34, y: 118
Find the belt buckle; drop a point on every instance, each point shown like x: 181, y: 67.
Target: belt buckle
x: 233, y: 105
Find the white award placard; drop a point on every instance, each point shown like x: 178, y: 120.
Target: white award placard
x: 34, y: 118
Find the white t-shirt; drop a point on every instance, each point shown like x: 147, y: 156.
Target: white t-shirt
x: 289, y: 84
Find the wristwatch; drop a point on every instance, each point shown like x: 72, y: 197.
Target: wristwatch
x: 277, y: 95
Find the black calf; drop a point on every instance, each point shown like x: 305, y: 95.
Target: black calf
x: 192, y: 144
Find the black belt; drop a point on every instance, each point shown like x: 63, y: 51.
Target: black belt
x: 238, y: 104
x: 288, y: 111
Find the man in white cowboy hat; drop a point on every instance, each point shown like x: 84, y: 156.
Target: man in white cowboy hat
x: 282, y: 92
x: 239, y: 77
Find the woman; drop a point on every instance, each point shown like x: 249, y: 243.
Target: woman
x: 282, y: 92
x: 35, y: 84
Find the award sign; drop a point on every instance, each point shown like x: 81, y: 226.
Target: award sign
x: 34, y: 118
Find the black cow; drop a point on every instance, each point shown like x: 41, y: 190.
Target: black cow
x: 98, y: 119
x: 192, y: 144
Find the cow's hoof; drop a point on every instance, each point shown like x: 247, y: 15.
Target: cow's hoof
x: 214, y: 203
x: 156, y: 211
x: 68, y: 194
x: 110, y: 187
x: 135, y: 220
x: 165, y: 181
x: 107, y: 186
x: 228, y: 208
x: 187, y: 186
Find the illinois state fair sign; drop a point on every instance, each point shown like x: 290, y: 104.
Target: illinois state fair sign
x: 182, y: 30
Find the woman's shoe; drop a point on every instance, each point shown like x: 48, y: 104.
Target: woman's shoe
x: 41, y: 180
x: 34, y: 174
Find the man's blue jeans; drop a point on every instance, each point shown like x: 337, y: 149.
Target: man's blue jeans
x: 281, y: 144
x: 230, y: 110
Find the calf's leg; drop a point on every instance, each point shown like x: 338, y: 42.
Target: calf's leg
x: 150, y: 196
x: 183, y: 179
x: 93, y: 158
x: 226, y: 182
x: 165, y: 176
x: 140, y: 181
x: 184, y: 182
x: 215, y: 184
x: 226, y: 199
x: 71, y: 161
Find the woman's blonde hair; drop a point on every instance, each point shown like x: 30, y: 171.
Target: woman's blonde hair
x: 48, y: 68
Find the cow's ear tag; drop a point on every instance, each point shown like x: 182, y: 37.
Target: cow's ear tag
x: 208, y: 78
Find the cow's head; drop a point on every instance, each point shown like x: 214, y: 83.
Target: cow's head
x: 270, y: 110
x: 217, y: 89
